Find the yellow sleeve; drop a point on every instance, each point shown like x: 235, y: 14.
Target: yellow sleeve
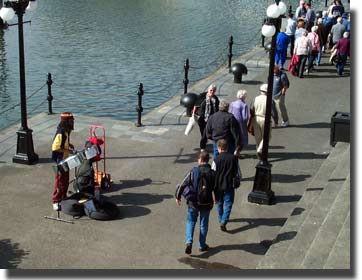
x: 57, y: 142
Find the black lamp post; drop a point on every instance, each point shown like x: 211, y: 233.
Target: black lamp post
x: 262, y: 193
x: 24, y: 149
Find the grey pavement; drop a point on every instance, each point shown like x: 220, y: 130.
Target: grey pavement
x: 147, y: 162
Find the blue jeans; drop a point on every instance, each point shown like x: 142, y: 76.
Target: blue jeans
x: 225, y: 204
x: 340, y: 65
x: 191, y: 219
x: 215, y: 152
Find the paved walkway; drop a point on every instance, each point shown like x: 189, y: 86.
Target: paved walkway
x: 146, y: 164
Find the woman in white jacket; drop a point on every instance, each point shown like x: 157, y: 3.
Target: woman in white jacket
x: 302, y: 48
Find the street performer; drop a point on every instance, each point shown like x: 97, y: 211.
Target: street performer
x: 61, y: 148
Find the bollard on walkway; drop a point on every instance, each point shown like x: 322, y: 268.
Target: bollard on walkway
x: 186, y: 79
x: 50, y: 96
x: 231, y: 42
x: 139, y: 108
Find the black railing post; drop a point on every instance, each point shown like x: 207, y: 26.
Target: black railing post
x: 50, y: 96
x: 186, y: 79
x: 231, y: 42
x: 326, y: 3
x: 262, y: 36
x: 290, y: 9
x: 139, y: 108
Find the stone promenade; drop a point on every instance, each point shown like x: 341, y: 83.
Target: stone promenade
x: 147, y: 162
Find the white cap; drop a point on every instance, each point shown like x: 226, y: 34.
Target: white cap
x: 264, y: 87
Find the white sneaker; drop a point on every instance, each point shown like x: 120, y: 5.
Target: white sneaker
x: 285, y: 124
x: 56, y: 206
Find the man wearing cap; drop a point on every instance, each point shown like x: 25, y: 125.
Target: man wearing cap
x: 61, y: 148
x: 259, y: 108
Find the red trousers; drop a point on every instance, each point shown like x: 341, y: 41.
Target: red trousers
x: 60, y: 186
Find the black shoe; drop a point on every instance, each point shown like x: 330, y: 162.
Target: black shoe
x: 223, y: 228
x: 188, y: 249
x: 204, y: 249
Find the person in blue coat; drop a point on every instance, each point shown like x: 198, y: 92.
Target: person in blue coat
x: 282, y: 48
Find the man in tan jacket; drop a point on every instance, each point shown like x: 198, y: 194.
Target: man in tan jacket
x: 259, y: 108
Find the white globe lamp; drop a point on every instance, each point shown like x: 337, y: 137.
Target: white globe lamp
x: 273, y: 11
x: 268, y: 30
x: 7, y: 13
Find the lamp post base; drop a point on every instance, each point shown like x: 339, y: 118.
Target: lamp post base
x: 262, y: 193
x: 25, y: 149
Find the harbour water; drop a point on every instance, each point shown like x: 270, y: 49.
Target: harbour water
x: 99, y: 51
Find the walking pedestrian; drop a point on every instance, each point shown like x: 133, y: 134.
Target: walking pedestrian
x: 337, y: 30
x: 240, y: 111
x: 222, y: 125
x: 323, y: 36
x: 208, y: 106
x: 290, y: 31
x: 282, y: 48
x: 258, y: 110
x: 61, y: 148
x: 309, y: 17
x: 314, y: 39
x: 302, y: 48
x: 301, y: 11
x: 343, y: 51
x: 280, y: 87
x: 227, y: 169
x: 200, y: 178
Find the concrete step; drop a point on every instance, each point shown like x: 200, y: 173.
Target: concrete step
x: 303, y: 209
x: 340, y: 256
x: 325, y: 240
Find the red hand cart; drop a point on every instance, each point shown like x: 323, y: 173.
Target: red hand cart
x: 101, y: 177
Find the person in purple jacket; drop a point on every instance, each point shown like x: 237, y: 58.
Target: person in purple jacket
x: 241, y: 113
x: 343, y: 49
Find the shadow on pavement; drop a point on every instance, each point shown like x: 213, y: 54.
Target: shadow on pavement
x: 10, y: 254
x: 253, y: 223
x: 254, y: 248
x: 132, y: 211
x: 139, y: 198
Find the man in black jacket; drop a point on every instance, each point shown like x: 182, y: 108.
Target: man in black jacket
x: 226, y: 167
x: 189, y: 189
x: 222, y: 125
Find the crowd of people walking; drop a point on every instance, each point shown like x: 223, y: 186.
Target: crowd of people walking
x: 307, y: 35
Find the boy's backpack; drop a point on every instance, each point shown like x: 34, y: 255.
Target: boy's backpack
x: 200, y: 191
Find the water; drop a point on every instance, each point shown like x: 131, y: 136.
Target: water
x: 99, y: 51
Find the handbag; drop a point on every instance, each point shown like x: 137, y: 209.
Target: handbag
x: 237, y: 179
x: 337, y: 58
x: 251, y: 125
x: 190, y: 125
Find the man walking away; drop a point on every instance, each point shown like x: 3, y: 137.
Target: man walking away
x: 197, y: 188
x: 226, y: 167
x: 220, y: 125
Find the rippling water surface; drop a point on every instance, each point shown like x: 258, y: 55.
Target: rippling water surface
x: 99, y: 51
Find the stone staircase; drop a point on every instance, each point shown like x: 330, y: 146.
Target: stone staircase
x: 317, y: 233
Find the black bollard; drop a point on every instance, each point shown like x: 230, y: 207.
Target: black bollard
x: 262, y: 36
x: 139, y: 108
x: 326, y: 3
x: 186, y: 80
x: 231, y: 42
x: 290, y: 9
x: 50, y: 96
